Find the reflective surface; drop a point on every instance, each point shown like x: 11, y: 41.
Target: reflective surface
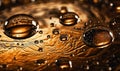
x: 20, y: 26
x: 98, y: 37
x: 59, y: 35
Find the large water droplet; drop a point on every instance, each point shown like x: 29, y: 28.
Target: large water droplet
x: 69, y: 19
x: 20, y: 26
x: 98, y: 37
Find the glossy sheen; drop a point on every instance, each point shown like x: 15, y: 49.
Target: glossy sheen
x: 20, y: 26
x: 69, y: 19
x: 97, y: 37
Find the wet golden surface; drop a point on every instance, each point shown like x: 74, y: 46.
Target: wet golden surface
x: 40, y: 51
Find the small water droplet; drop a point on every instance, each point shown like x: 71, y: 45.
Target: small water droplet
x: 111, y: 4
x: 18, y: 44
x: 40, y: 49
x: 41, y: 32
x: 63, y: 37
x: 41, y: 41
x: 97, y: 63
x: 19, y: 68
x: 64, y: 63
x: 87, y: 67
x: 48, y: 36
x: 22, y: 44
x: 40, y: 61
x: 69, y: 19
x: 55, y: 31
x: 63, y: 10
x: 109, y: 68
x: 36, y: 41
x: 52, y: 24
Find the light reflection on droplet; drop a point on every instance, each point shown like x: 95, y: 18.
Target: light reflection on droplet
x: 20, y: 26
x: 64, y: 63
x: 55, y: 31
x: 87, y: 67
x: 69, y: 19
x: 63, y: 37
x: 40, y: 61
x: 63, y: 10
x: 98, y: 36
x: 109, y: 68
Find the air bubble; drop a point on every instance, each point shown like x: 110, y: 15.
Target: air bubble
x: 98, y: 37
x: 20, y: 26
x: 69, y: 19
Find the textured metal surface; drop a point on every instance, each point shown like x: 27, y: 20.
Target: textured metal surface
x: 56, y: 47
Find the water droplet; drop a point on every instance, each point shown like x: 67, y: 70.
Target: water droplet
x: 20, y: 26
x: 111, y: 4
x: 18, y: 44
x: 87, y: 67
x: 19, y: 68
x: 63, y: 10
x: 109, y: 68
x: 69, y: 19
x: 41, y: 32
x: 64, y: 63
x: 97, y: 63
x: 40, y: 49
x: 40, y: 61
x: 55, y: 31
x: 22, y: 44
x: 98, y: 36
x: 41, y: 41
x: 48, y: 36
x: 52, y: 24
x: 63, y: 37
x: 36, y: 41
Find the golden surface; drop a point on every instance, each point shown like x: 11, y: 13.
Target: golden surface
x: 22, y: 54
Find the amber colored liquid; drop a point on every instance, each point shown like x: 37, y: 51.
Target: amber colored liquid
x: 20, y: 31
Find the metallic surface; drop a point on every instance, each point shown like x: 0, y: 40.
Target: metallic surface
x: 55, y: 47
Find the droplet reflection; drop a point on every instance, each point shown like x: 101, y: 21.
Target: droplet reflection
x: 98, y: 37
x: 20, y: 26
x: 69, y: 19
x: 64, y: 63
